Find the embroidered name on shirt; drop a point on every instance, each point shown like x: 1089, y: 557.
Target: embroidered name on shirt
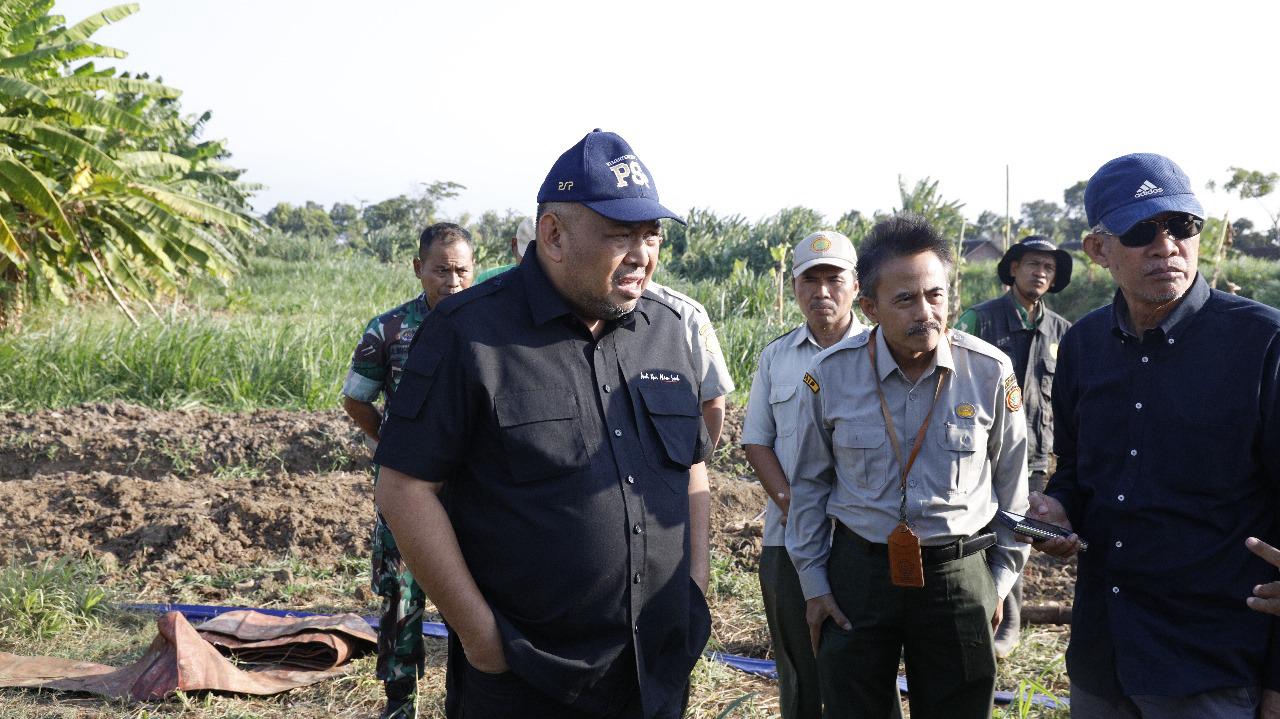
x: 660, y: 377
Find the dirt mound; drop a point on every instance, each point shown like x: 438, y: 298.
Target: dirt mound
x: 202, y: 492
x: 143, y: 443
x: 173, y: 526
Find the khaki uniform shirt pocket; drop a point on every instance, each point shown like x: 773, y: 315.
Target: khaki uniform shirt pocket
x: 861, y: 452
x: 783, y: 406
x: 966, y: 448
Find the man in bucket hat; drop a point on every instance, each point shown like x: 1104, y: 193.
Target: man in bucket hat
x: 543, y: 464
x: 1167, y: 417
x: 1020, y: 324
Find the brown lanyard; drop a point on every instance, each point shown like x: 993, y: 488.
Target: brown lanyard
x: 904, y: 467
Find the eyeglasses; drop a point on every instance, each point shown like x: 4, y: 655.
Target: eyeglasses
x: 1180, y: 226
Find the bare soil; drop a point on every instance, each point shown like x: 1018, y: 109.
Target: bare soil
x: 179, y: 493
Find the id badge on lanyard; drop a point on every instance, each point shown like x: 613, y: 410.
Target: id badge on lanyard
x: 906, y: 568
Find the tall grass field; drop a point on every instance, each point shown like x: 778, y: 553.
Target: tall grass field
x: 281, y: 334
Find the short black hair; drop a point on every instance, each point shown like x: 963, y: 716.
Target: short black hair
x: 444, y: 232
x: 897, y: 236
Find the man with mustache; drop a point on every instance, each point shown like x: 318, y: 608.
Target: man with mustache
x: 443, y: 267
x: 824, y: 285
x: 543, y: 464
x: 1020, y: 324
x: 909, y: 438
x: 1167, y: 414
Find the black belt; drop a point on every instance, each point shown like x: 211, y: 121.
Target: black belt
x: 930, y: 555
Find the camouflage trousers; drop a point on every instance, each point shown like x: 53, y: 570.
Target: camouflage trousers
x: 400, y: 647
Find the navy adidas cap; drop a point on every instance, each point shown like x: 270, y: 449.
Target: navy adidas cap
x: 1136, y: 187
x: 603, y: 173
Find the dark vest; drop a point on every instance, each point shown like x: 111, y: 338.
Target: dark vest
x: 1035, y: 358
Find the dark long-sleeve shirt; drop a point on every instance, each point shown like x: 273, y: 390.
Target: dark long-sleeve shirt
x: 1169, y: 457
x: 566, y: 464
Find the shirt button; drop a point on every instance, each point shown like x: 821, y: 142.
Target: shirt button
x: 617, y: 433
x: 1133, y: 453
x: 911, y: 397
x: 1115, y: 590
x: 1120, y: 497
x: 630, y: 479
x: 1118, y: 545
x: 1137, y: 405
x: 607, y: 388
x: 638, y: 529
x: 912, y: 483
x: 1170, y: 340
x: 636, y: 578
x: 1145, y: 359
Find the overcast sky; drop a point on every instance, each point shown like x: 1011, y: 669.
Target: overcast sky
x: 740, y: 107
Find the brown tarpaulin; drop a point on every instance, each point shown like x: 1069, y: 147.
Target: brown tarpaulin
x: 318, y: 642
x: 179, y: 659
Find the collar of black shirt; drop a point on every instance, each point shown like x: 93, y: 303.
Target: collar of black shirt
x: 1195, y: 298
x: 545, y: 301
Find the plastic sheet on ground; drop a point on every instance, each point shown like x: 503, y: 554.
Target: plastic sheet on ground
x: 758, y: 667
x: 178, y: 659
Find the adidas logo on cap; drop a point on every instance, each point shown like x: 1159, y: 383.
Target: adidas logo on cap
x: 1147, y: 189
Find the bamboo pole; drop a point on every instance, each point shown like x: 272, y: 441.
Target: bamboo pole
x: 1007, y: 228
x: 955, y: 282
x: 1224, y: 241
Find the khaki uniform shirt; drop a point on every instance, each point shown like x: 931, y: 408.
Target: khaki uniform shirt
x: 972, y: 462
x: 708, y: 360
x: 774, y: 401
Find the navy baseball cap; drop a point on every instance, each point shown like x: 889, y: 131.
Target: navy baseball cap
x: 603, y: 173
x: 1136, y: 187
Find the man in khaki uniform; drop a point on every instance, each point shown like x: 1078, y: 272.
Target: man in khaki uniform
x: 825, y: 288
x: 908, y: 436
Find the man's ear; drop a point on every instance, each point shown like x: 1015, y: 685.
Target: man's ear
x: 417, y: 267
x: 868, y: 306
x: 551, y: 237
x: 1095, y: 246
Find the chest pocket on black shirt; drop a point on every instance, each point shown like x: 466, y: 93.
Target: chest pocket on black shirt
x: 541, y: 433
x: 674, y: 416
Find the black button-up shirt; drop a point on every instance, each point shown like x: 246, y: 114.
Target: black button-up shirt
x: 567, y: 462
x: 1169, y: 457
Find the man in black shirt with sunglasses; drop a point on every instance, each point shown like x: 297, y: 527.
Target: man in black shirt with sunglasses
x: 1167, y: 419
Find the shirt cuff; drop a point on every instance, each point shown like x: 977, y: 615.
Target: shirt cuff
x: 360, y: 388
x: 813, y: 582
x: 1004, y: 580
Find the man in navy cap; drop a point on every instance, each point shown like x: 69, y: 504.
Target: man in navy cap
x: 1022, y: 325
x: 1167, y: 415
x: 542, y: 464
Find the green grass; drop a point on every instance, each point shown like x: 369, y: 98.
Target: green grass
x: 282, y: 333
x: 47, y: 599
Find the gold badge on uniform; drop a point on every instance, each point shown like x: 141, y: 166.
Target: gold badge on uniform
x: 1013, y: 398
x: 966, y: 410
x: 813, y: 383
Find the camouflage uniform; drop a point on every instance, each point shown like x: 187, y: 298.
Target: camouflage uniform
x: 375, y: 369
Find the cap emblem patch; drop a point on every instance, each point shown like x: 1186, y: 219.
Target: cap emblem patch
x: 820, y: 244
x: 1146, y: 189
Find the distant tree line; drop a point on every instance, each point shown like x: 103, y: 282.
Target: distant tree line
x: 713, y: 244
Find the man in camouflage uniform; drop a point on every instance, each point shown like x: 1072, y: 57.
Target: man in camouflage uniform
x: 443, y: 266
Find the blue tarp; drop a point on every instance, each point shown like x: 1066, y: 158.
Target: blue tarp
x: 757, y: 667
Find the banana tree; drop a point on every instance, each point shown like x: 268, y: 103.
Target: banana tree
x: 104, y: 186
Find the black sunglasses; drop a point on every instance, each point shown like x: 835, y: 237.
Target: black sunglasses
x: 1180, y: 226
